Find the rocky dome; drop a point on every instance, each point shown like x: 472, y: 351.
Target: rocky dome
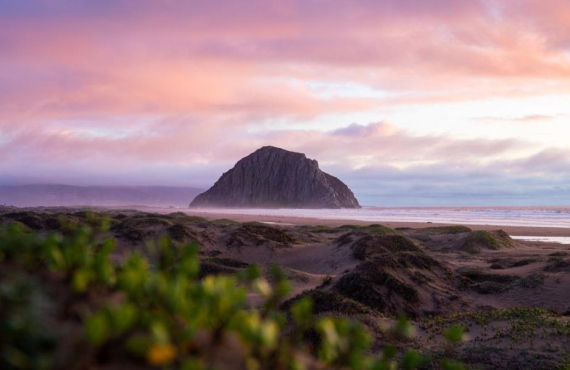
x: 274, y: 177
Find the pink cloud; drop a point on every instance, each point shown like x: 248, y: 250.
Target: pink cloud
x: 186, y: 82
x: 187, y: 140
x: 228, y: 46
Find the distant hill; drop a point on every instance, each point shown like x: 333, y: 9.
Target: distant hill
x: 274, y: 177
x: 69, y: 195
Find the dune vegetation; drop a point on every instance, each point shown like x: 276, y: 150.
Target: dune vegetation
x: 101, y: 290
x: 65, y: 304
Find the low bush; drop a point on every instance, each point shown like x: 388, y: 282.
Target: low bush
x: 65, y: 304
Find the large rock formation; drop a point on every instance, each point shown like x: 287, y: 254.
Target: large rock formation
x: 274, y: 177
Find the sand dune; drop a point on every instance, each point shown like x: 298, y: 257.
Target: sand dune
x: 435, y: 274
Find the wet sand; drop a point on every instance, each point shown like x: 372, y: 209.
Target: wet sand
x: 511, y: 230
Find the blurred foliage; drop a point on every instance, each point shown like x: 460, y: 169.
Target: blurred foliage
x: 25, y: 342
x: 153, y: 310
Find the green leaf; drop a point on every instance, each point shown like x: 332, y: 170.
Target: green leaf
x: 122, y: 317
x: 191, y: 364
x: 389, y: 352
x: 454, y: 334
x: 452, y: 365
x: 302, y: 312
x: 251, y: 273
x: 403, y: 327
x: 412, y: 360
x: 160, y: 332
x: 57, y: 260
x: 97, y: 329
x: 139, y: 344
x: 81, y: 279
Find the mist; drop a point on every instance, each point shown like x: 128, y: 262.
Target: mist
x: 68, y: 195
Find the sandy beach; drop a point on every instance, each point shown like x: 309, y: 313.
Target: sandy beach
x: 511, y: 230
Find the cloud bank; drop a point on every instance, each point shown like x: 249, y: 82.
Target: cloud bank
x: 466, y: 99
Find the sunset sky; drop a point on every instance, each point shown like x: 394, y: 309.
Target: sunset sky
x: 426, y: 102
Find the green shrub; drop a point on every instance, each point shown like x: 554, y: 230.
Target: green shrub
x: 156, y: 311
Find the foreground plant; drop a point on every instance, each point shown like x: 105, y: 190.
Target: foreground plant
x: 153, y: 310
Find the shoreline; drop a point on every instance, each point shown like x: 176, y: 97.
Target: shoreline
x: 284, y: 220
x: 296, y: 220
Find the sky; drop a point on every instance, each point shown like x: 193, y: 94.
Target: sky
x: 409, y: 102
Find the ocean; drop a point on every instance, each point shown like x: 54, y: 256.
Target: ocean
x: 507, y: 216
